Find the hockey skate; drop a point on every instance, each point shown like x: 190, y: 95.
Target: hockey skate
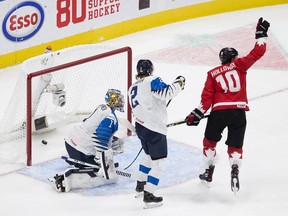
x: 235, y: 186
x: 206, y: 177
x: 57, y: 182
x: 139, y: 188
x: 151, y: 201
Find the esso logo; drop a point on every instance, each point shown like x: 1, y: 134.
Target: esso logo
x: 23, y: 21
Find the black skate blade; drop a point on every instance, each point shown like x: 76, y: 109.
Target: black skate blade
x: 152, y: 205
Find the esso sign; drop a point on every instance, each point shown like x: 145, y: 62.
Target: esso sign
x: 23, y: 21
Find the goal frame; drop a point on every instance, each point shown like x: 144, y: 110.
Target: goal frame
x: 30, y: 77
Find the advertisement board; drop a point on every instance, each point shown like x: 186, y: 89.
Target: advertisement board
x: 25, y: 25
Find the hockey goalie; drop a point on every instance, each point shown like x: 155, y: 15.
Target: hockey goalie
x: 91, y: 145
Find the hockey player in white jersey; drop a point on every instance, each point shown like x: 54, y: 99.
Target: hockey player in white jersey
x: 147, y: 98
x: 91, y: 142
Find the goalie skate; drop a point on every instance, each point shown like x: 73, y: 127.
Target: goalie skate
x: 235, y: 185
x: 57, y: 183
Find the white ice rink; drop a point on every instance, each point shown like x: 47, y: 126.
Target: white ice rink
x: 189, y: 48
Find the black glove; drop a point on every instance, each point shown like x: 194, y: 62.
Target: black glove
x: 261, y: 28
x: 181, y: 80
x: 194, y: 117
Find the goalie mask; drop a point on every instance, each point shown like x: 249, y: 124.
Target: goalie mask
x: 227, y: 54
x: 144, y: 68
x: 115, y: 99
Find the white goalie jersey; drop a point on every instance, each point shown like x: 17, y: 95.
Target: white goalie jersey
x: 147, y: 98
x: 95, y: 132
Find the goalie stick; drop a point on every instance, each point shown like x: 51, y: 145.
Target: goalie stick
x: 118, y: 172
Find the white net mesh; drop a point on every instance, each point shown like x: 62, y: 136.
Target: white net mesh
x: 82, y: 87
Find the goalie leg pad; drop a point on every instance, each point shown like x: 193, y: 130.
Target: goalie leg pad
x: 74, y: 178
x: 85, y: 179
x: 103, y: 166
x: 107, y: 167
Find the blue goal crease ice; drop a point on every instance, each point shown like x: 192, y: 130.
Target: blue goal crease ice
x: 183, y: 163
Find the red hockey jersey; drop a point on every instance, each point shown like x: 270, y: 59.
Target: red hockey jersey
x: 225, y: 86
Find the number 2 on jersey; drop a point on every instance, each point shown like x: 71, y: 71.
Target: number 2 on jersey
x: 231, y: 83
x: 133, y: 94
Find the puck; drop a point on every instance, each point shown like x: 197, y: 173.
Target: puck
x: 116, y: 164
x: 44, y: 142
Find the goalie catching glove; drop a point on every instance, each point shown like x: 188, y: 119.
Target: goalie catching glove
x: 194, y: 117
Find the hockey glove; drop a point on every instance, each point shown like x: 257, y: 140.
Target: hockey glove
x: 262, y: 28
x: 181, y: 80
x: 194, y: 118
x: 117, y: 145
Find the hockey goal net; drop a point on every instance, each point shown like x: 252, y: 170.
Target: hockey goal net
x: 58, y: 88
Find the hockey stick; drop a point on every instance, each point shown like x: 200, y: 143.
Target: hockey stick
x: 181, y: 122
x: 79, y: 162
x: 168, y: 102
x: 118, y: 172
x: 176, y: 123
x: 134, y: 158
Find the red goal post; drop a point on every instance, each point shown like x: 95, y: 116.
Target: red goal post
x: 81, y: 75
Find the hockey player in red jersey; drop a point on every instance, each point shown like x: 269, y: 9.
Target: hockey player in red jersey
x: 225, y: 94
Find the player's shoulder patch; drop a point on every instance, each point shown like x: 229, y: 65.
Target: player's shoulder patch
x: 103, y: 107
x: 157, y: 84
